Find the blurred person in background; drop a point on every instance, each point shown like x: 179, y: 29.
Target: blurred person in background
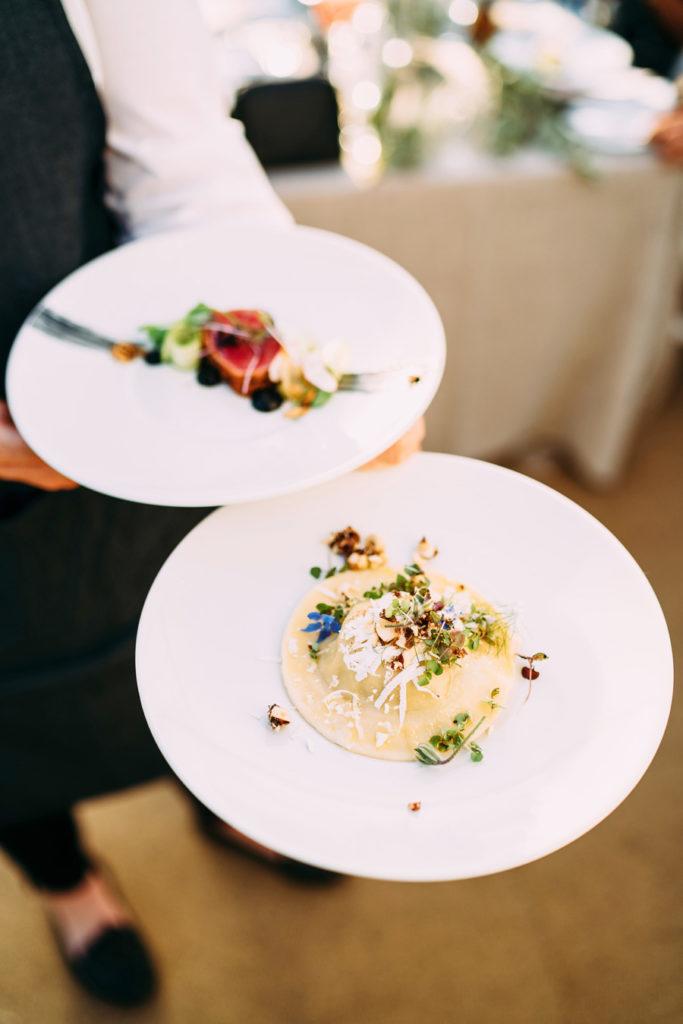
x: 654, y: 28
x: 79, y: 171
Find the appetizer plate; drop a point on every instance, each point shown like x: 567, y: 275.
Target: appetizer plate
x: 555, y: 765
x: 154, y: 435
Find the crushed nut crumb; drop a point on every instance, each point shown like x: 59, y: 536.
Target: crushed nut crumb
x: 344, y: 542
x: 277, y: 717
x: 373, y: 545
x: 125, y: 351
x: 426, y: 550
x: 415, y: 805
x: 358, y: 554
x: 358, y: 560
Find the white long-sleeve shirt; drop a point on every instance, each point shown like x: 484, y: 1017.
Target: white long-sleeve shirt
x: 173, y: 159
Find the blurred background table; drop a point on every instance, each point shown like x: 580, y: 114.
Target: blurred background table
x: 465, y: 130
x: 557, y: 294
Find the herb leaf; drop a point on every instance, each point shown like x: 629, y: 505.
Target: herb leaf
x: 155, y: 334
x: 199, y: 315
x: 426, y: 755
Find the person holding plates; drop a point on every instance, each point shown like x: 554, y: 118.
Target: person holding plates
x: 85, y: 166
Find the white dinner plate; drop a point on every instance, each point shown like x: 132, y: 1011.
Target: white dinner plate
x: 152, y: 434
x: 208, y: 668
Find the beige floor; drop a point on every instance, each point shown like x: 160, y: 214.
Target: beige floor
x: 591, y: 934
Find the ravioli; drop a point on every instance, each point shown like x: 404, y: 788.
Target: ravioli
x: 368, y: 686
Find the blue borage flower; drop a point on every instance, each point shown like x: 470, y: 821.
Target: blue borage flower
x: 322, y: 623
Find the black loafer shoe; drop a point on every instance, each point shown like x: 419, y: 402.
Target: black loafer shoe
x: 115, y: 967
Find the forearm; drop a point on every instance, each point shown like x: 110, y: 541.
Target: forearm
x: 174, y: 158
x: 19, y: 464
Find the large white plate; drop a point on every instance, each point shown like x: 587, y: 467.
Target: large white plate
x: 152, y: 434
x: 207, y: 661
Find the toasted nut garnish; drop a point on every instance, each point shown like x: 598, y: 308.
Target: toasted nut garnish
x: 358, y: 560
x: 344, y: 542
x: 277, y: 717
x: 373, y: 545
x: 426, y: 550
x: 415, y: 805
x: 387, y: 633
x: 295, y: 412
x: 124, y: 351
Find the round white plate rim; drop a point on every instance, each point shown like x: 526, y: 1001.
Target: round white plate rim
x: 291, y: 848
x: 209, y: 497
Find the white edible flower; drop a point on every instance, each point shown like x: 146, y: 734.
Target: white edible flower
x: 324, y: 367
x: 321, y: 366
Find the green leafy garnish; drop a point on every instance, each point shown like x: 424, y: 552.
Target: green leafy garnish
x: 451, y: 742
x: 199, y: 315
x: 337, y: 610
x: 426, y: 755
x: 155, y: 334
x: 321, y: 398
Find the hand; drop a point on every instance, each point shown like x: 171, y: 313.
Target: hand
x: 667, y: 138
x: 404, y: 447
x: 21, y: 465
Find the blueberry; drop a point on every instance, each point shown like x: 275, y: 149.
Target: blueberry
x: 208, y: 374
x: 153, y: 357
x: 267, y: 399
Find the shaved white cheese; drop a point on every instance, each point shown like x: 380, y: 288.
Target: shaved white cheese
x: 355, y: 708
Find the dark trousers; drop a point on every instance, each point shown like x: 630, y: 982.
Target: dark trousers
x: 48, y: 850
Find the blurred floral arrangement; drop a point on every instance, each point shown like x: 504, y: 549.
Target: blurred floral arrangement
x: 524, y: 114
x: 411, y: 72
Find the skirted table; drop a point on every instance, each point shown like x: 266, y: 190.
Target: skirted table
x: 557, y: 293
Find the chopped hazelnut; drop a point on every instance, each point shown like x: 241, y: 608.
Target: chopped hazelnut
x: 414, y: 805
x: 373, y: 545
x: 277, y: 717
x: 358, y: 560
x: 125, y: 351
x: 387, y: 633
x: 426, y: 550
x: 344, y: 542
x: 295, y: 412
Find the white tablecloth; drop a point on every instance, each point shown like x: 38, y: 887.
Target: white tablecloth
x: 556, y: 294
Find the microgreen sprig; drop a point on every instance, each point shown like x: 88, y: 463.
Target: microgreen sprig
x: 318, y: 573
x: 528, y: 670
x: 451, y: 742
x: 407, y: 584
x: 492, y: 702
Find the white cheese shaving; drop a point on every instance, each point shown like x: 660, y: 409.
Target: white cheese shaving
x: 355, y: 708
